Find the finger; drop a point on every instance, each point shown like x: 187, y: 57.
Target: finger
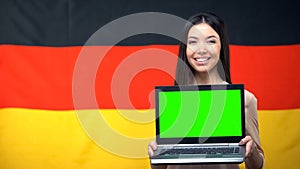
x: 245, y: 140
x: 153, y: 145
x: 242, y: 142
x: 248, y: 142
x: 151, y: 148
x: 150, y: 151
x: 248, y: 148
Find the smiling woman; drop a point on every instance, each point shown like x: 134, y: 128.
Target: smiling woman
x: 203, y: 59
x: 203, y: 49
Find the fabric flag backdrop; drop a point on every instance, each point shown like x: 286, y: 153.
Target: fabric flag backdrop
x: 65, y: 103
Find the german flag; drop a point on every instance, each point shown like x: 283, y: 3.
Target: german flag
x: 77, y: 77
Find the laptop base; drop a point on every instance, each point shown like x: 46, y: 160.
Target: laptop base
x: 196, y: 161
x: 164, y: 157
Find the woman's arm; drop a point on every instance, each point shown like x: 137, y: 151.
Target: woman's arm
x: 254, y: 153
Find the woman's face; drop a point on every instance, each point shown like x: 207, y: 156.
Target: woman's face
x: 203, y: 48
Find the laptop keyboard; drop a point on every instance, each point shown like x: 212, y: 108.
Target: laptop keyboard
x: 202, y: 150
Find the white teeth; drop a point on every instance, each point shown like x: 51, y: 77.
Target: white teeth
x: 201, y: 59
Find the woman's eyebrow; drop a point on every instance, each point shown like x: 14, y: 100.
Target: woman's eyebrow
x: 208, y: 37
x: 211, y: 36
x: 192, y: 37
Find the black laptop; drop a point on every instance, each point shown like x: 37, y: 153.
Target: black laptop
x: 199, y: 124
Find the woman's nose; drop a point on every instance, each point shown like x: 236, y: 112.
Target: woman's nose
x: 201, y: 49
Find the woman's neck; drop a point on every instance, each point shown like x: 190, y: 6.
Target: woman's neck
x: 208, y: 78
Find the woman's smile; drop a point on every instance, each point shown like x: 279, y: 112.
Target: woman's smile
x: 202, y: 60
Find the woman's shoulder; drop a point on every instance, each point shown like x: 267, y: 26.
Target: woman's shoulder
x: 249, y: 98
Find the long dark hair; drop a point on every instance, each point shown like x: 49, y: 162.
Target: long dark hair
x: 184, y: 71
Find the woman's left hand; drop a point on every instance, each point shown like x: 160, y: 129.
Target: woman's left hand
x: 249, y: 145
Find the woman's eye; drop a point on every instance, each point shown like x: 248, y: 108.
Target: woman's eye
x: 191, y: 42
x: 211, y: 41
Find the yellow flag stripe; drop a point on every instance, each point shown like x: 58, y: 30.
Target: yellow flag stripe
x: 40, y: 139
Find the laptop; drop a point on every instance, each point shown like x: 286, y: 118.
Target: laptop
x: 199, y: 124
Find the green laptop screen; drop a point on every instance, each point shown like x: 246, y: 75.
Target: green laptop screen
x: 208, y: 113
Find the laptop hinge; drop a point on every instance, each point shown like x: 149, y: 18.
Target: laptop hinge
x: 200, y: 145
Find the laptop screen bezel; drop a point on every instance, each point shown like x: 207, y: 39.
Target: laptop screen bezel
x: 197, y: 140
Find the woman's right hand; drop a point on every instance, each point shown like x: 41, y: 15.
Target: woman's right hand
x: 152, y: 146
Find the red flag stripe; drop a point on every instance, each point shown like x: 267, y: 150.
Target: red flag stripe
x: 41, y: 77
